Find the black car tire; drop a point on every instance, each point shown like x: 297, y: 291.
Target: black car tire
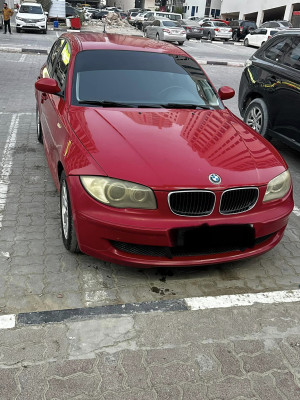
x: 18, y: 30
x: 257, y: 117
x: 246, y: 42
x: 235, y: 37
x: 66, y: 218
x: 39, y: 130
x: 209, y: 36
x: 180, y: 43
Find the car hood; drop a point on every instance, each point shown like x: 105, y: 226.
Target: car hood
x: 30, y: 16
x: 173, y: 149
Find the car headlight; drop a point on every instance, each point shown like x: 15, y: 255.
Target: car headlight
x: 278, y: 187
x: 118, y: 193
x: 40, y: 20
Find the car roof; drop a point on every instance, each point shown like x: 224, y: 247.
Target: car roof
x: 109, y: 41
x: 289, y: 31
x: 31, y: 4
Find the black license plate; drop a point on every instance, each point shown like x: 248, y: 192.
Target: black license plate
x: 217, y: 237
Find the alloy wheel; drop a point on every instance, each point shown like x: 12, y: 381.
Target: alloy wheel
x: 64, y: 210
x: 255, y: 119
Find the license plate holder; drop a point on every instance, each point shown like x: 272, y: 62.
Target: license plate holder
x: 219, y: 236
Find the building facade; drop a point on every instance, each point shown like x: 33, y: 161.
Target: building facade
x: 202, y: 8
x: 260, y: 11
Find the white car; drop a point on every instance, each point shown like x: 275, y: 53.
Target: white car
x: 165, y: 29
x: 31, y: 16
x: 259, y: 36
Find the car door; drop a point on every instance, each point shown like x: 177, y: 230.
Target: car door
x: 48, y: 116
x: 206, y: 28
x: 60, y: 135
x: 284, y: 87
x: 56, y: 110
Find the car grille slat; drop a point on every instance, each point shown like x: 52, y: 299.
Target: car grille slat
x: 239, y: 200
x: 192, y: 203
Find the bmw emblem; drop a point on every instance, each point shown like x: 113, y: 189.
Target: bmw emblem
x: 215, y: 179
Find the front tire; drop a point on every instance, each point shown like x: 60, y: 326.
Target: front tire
x: 246, y: 42
x: 67, y: 225
x: 39, y: 130
x: 209, y: 36
x: 18, y: 30
x: 180, y: 43
x: 257, y: 117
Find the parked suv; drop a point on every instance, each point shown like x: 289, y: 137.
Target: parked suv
x: 151, y: 16
x: 31, y: 16
x: 241, y: 28
x: 269, y: 93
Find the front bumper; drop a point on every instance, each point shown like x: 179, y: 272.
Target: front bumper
x: 39, y: 26
x: 148, y: 238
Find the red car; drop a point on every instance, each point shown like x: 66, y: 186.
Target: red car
x: 152, y: 169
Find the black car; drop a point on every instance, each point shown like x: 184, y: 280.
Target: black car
x: 99, y: 14
x: 241, y: 28
x: 192, y: 29
x: 269, y: 93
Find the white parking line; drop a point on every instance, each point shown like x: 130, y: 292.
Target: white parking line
x: 7, y: 321
x: 22, y: 58
x: 296, y: 211
x: 6, y: 162
x: 238, y: 300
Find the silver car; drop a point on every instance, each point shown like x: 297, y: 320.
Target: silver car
x: 165, y: 29
x: 216, y: 30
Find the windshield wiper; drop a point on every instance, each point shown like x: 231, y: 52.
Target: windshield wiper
x: 182, y: 105
x: 105, y: 103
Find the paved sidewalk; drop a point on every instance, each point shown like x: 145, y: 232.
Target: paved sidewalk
x: 235, y: 353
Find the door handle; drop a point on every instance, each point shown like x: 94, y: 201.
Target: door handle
x: 44, y: 97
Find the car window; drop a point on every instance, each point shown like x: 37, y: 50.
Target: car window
x: 292, y: 56
x: 156, y: 23
x: 170, y: 23
x: 31, y: 9
x: 220, y: 24
x: 286, y: 23
x: 51, y: 60
x: 140, y: 78
x: 278, y: 49
x: 61, y: 68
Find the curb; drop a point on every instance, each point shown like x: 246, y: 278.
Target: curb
x: 19, y: 50
x: 11, y: 321
x: 216, y: 62
x: 43, y: 51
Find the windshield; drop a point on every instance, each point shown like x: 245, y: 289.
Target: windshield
x: 140, y: 78
x: 220, y: 24
x: 286, y: 23
x: 171, y: 24
x: 31, y: 10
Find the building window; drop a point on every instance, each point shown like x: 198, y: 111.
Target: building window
x: 213, y: 11
x: 206, y: 13
x: 208, y: 3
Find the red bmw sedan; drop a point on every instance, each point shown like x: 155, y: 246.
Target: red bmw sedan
x: 152, y: 169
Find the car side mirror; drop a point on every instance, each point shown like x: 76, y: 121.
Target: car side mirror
x: 47, y: 85
x: 46, y: 13
x: 226, y: 92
